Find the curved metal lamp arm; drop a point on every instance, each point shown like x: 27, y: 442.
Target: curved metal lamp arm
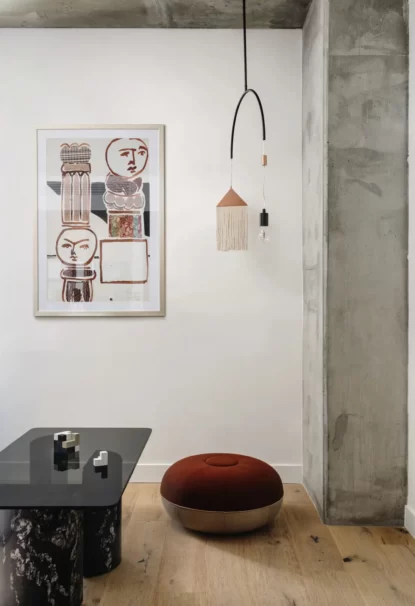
x: 249, y: 90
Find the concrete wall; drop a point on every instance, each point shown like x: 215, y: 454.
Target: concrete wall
x: 367, y: 262
x: 152, y: 13
x: 364, y: 422
x: 222, y: 370
x: 410, y: 507
x: 314, y: 245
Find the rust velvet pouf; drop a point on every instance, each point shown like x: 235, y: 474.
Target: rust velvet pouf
x: 222, y: 493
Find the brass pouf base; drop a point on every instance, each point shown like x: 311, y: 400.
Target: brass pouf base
x: 223, y: 522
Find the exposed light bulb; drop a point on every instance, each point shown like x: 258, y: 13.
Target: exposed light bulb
x: 263, y: 235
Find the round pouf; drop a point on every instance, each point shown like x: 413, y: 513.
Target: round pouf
x: 222, y: 493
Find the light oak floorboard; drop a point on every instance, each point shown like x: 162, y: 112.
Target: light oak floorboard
x: 298, y: 561
x: 383, y: 573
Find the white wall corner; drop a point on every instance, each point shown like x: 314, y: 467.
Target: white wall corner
x: 153, y: 472
x: 410, y: 520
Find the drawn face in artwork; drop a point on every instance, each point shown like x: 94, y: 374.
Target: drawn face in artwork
x: 126, y: 157
x: 76, y: 246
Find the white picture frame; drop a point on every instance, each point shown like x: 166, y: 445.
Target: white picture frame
x: 100, y: 208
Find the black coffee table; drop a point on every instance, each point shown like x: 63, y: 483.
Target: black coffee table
x: 60, y: 523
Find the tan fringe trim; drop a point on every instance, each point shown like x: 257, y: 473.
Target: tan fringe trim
x: 232, y: 228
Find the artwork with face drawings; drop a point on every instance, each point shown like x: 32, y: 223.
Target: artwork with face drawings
x: 75, y: 248
x: 100, y: 248
x: 124, y: 198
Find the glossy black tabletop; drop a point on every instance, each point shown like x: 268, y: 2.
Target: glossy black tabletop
x: 30, y: 476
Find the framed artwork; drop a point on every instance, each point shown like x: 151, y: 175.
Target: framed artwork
x: 100, y: 221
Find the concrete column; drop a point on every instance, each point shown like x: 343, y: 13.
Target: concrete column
x: 355, y: 208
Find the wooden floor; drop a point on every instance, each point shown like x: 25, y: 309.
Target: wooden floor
x: 297, y: 561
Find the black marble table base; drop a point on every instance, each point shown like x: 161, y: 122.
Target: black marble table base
x: 45, y: 553
x: 41, y: 560
x: 102, y: 540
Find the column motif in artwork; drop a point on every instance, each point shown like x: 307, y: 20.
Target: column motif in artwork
x: 124, y: 255
x: 76, y: 245
x: 76, y: 185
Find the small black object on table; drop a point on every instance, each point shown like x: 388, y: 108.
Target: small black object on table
x: 60, y: 519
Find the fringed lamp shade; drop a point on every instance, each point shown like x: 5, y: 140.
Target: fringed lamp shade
x: 232, y: 223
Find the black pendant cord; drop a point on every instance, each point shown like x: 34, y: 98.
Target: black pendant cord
x: 245, y: 53
x: 247, y: 90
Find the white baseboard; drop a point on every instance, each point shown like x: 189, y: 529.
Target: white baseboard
x: 410, y: 520
x: 153, y: 472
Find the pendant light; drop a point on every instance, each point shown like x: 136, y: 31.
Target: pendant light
x: 232, y: 210
x: 263, y: 224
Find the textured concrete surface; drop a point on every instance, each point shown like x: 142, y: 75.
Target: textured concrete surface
x: 367, y: 262
x: 368, y: 27
x: 364, y: 421
x: 314, y: 249
x: 152, y: 13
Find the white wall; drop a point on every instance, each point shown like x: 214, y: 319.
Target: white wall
x: 410, y: 508
x: 222, y: 371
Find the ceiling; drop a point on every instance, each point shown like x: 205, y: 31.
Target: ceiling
x: 152, y: 13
